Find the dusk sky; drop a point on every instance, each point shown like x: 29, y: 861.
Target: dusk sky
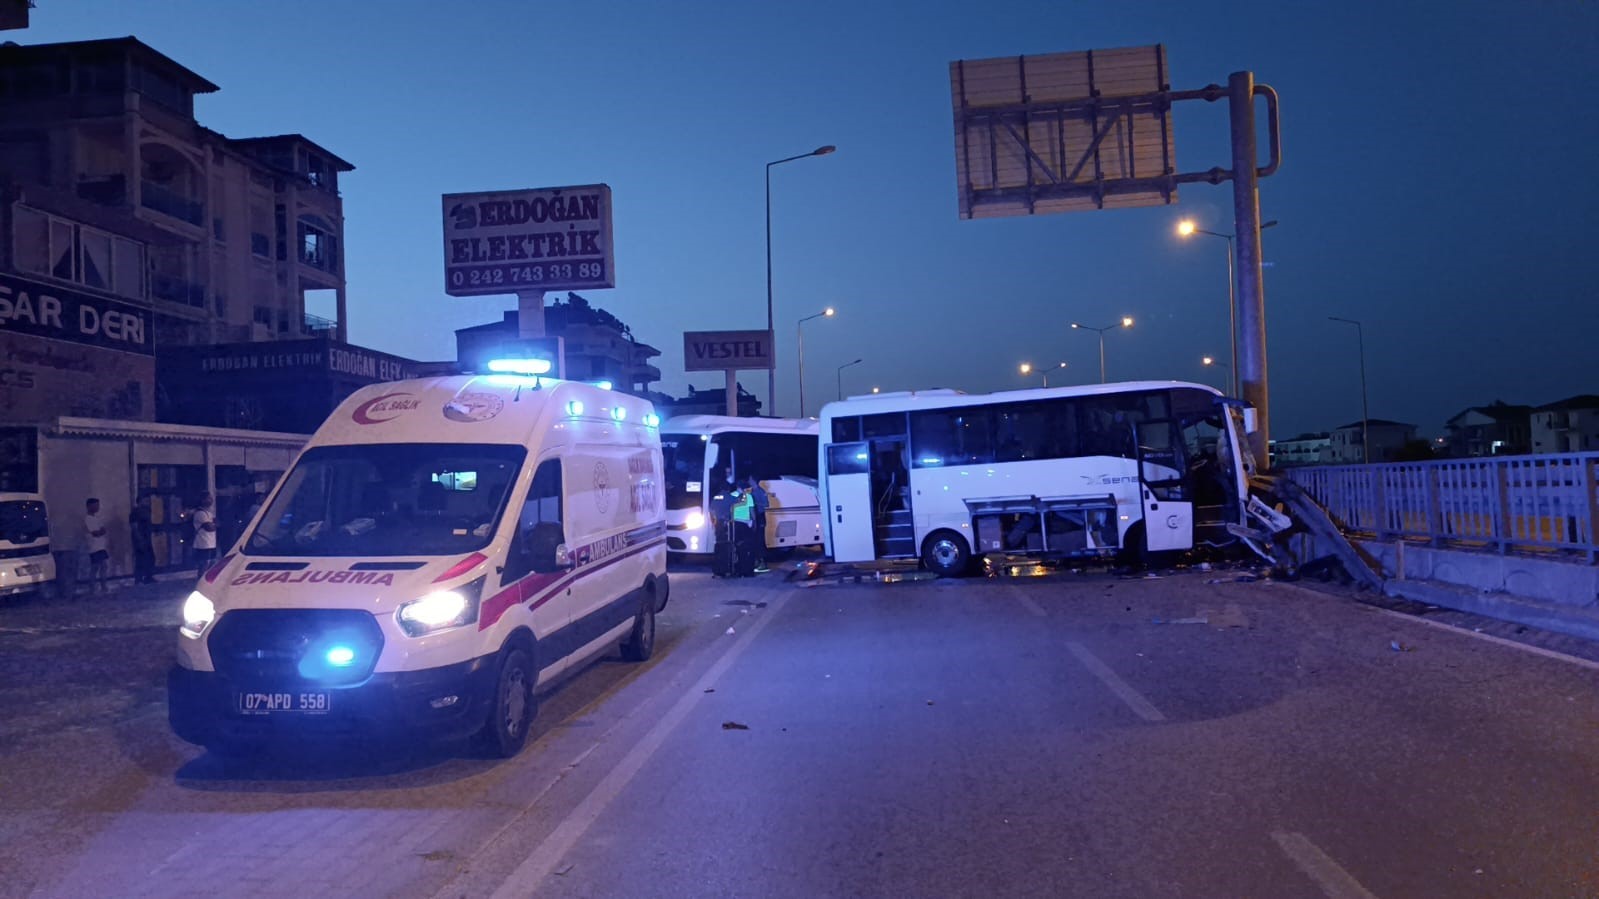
x: 1438, y: 182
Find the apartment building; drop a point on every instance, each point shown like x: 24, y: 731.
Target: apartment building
x: 128, y: 227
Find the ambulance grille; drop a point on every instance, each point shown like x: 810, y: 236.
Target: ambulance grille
x: 291, y: 645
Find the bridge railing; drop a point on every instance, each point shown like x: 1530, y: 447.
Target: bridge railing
x: 1537, y: 503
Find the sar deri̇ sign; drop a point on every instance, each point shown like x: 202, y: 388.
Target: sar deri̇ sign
x: 555, y: 238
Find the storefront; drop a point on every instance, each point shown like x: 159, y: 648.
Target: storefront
x: 282, y: 385
x: 67, y: 352
x: 122, y: 462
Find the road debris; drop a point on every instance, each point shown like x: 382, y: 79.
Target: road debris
x: 731, y: 631
x: 1397, y: 646
x: 564, y: 871
x: 734, y: 725
x: 710, y: 689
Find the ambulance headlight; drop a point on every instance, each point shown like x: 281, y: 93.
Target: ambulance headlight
x: 440, y: 610
x: 695, y: 520
x: 198, y: 613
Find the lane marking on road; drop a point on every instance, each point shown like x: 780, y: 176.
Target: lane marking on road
x: 1028, y: 603
x: 1333, y: 879
x: 1535, y: 650
x: 541, y: 864
x: 1134, y: 699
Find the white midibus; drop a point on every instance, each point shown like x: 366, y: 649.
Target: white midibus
x: 25, y: 560
x: 1100, y: 470
x: 780, y: 452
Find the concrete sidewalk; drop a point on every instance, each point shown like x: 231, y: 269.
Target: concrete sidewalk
x: 124, y: 605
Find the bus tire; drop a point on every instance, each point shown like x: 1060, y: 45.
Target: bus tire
x: 946, y: 554
x: 640, y: 642
x: 1134, y: 552
x: 511, y: 713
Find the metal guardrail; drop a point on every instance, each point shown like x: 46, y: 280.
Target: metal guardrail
x: 1512, y: 503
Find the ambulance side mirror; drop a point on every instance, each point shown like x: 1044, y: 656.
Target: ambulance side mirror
x: 545, y: 547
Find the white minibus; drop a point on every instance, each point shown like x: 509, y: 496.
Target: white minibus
x: 1105, y: 469
x: 779, y: 452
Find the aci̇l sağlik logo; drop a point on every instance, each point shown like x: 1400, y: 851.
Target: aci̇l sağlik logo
x: 384, y: 408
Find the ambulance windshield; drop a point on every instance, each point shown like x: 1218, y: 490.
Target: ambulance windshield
x: 401, y: 499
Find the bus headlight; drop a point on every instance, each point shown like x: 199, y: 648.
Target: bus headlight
x: 695, y: 520
x: 440, y: 610
x: 198, y: 613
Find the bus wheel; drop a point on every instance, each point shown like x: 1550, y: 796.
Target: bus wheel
x: 1134, y: 552
x: 945, y: 554
x: 511, y: 714
x: 640, y: 642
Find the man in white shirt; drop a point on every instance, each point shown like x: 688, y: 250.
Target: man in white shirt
x: 205, y: 536
x: 96, y: 542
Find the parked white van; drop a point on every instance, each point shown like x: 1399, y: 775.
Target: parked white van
x: 439, y: 549
x: 25, y: 560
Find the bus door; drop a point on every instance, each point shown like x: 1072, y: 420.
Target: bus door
x: 850, y: 502
x: 1163, y: 487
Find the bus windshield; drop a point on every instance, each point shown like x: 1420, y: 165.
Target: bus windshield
x: 684, y: 456
x: 22, y: 521
x: 389, y: 500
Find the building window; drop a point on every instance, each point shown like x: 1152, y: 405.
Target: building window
x: 317, y: 245
x: 78, y: 254
x: 263, y: 316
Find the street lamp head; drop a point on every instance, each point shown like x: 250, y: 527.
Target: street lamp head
x: 1025, y: 368
x: 1076, y: 325
x: 1062, y: 365
x: 876, y: 389
x: 1185, y: 227
x: 1127, y: 321
x: 828, y: 311
x: 1208, y: 360
x: 823, y: 151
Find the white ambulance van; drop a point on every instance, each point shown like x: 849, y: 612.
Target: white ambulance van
x: 25, y: 560
x: 439, y: 549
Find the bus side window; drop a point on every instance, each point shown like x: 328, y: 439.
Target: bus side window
x: 538, y: 525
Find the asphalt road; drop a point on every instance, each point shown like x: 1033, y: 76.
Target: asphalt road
x: 1197, y: 734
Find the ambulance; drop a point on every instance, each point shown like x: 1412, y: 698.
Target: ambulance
x: 440, y: 550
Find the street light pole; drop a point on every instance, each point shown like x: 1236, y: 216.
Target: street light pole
x: 1026, y: 368
x: 841, y: 376
x: 771, y: 373
x: 1365, y: 415
x: 1211, y: 360
x: 1126, y: 322
x: 799, y: 331
x: 1184, y: 229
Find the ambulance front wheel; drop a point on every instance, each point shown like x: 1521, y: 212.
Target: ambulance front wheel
x: 945, y: 554
x: 511, y: 714
x: 640, y: 642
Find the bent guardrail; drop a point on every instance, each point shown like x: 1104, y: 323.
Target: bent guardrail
x: 1512, y: 503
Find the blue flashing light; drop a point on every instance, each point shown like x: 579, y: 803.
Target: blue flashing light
x: 651, y: 420
x: 619, y: 413
x: 520, y: 366
x: 341, y: 656
x: 932, y: 460
x: 574, y: 407
x: 604, y: 385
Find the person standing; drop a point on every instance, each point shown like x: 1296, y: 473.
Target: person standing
x: 97, y: 543
x: 743, y: 534
x: 205, y: 535
x: 141, y: 534
x: 762, y: 503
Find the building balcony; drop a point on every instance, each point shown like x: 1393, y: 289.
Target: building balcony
x: 107, y: 190
x: 169, y: 202
x: 317, y: 326
x: 177, y: 290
